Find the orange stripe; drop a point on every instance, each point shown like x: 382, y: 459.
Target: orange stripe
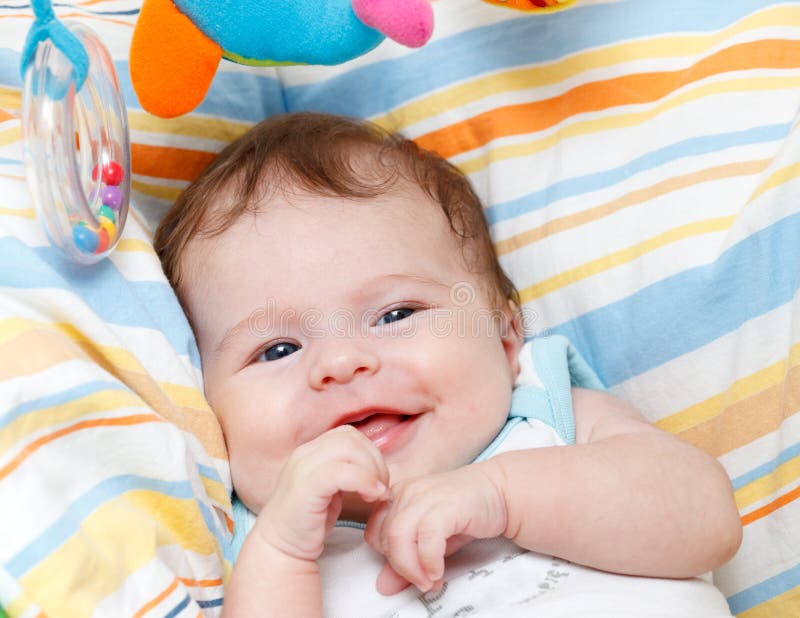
x: 771, y: 507
x: 104, y: 422
x: 163, y: 162
x: 153, y: 602
x: 6, y: 116
x: 105, y: 20
x: 601, y: 95
x: 201, y: 583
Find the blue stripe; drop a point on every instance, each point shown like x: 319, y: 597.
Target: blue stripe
x: 178, y: 608
x: 766, y: 468
x: 59, y: 398
x: 764, y: 591
x: 102, y: 287
x: 4, y: 161
x: 210, y: 603
x: 209, y: 473
x: 379, y: 87
x: 246, y: 97
x: 691, y: 147
x: 690, y: 309
x: 72, y: 518
x: 72, y: 7
x: 9, y: 68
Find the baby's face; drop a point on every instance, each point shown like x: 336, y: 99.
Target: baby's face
x: 322, y: 311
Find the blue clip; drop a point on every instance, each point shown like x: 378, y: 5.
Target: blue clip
x: 47, y: 26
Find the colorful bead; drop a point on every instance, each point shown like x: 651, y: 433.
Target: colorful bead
x: 109, y: 227
x: 102, y: 241
x: 112, y: 173
x: 112, y: 197
x: 106, y: 212
x: 85, y: 239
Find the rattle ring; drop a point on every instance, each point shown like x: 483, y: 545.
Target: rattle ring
x: 77, y: 153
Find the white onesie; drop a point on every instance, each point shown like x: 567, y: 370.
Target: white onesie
x: 495, y: 577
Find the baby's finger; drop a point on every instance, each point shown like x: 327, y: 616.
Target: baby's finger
x: 454, y: 543
x: 389, y: 582
x: 403, y: 555
x: 431, y: 546
x: 373, y: 532
x: 338, y: 476
x: 360, y: 449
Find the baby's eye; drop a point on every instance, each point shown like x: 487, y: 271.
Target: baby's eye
x: 395, y: 315
x: 278, y: 351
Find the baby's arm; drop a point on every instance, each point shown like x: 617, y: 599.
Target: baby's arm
x: 276, y: 572
x: 627, y: 497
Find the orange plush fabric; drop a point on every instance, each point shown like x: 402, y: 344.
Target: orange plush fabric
x: 171, y: 73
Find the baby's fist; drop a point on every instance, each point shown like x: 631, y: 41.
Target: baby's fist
x: 428, y: 518
x: 307, y: 498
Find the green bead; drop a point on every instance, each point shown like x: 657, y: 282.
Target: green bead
x: 106, y: 212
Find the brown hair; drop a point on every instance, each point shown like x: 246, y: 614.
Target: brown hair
x: 314, y: 152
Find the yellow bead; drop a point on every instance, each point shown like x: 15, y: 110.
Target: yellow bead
x: 109, y: 227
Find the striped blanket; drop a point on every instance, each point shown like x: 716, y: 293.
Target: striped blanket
x: 640, y: 165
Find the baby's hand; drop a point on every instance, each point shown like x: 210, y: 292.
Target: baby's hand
x: 307, y: 498
x: 428, y: 518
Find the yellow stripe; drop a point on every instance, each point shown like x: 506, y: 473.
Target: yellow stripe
x: 768, y: 484
x: 558, y: 72
x: 778, y: 177
x: 11, y: 99
x: 623, y: 256
x: 185, y: 396
x: 134, y: 244
x: 216, y: 491
x: 27, y: 213
x: 147, y: 521
x: 10, y: 135
x: 41, y: 418
x: 161, y: 192
x: 627, y: 120
x: 741, y: 389
x: 783, y: 606
x: 192, y: 125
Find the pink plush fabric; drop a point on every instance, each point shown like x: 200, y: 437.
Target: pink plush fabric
x: 409, y: 22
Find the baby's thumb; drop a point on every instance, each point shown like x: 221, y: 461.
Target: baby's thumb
x: 389, y: 582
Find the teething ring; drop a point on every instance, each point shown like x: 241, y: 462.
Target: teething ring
x: 77, y: 152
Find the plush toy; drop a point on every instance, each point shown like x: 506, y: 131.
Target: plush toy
x: 177, y: 44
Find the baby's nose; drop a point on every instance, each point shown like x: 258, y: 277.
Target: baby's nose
x: 341, y: 364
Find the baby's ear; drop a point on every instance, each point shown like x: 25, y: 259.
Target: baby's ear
x: 512, y: 335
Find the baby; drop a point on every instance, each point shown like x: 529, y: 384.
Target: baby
x: 362, y: 349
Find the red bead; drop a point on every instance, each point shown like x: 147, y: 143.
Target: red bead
x: 112, y: 173
x: 102, y: 242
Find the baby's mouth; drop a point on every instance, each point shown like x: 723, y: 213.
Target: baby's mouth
x: 380, y: 427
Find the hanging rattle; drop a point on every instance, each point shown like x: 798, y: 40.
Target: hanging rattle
x: 75, y: 132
